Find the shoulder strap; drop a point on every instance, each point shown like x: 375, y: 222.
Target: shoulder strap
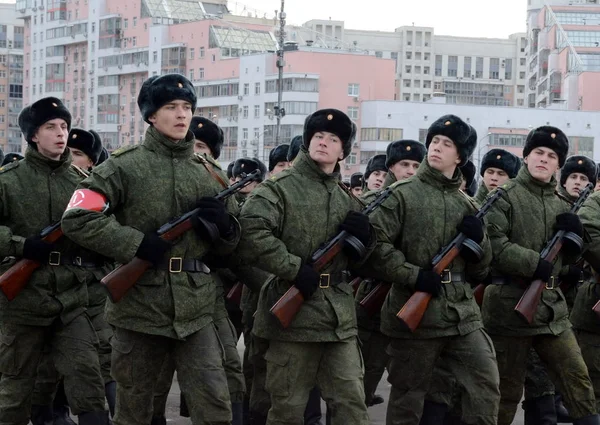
x: 80, y: 171
x: 211, y: 171
x: 349, y: 192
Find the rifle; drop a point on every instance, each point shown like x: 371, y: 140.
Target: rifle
x: 286, y: 308
x: 528, y: 304
x: 413, y: 311
x: 121, y: 279
x: 235, y: 294
x: 355, y: 284
x: 15, y: 278
x: 374, y: 300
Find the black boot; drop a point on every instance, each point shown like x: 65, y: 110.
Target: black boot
x: 540, y: 411
x: 433, y: 413
x: 158, y: 420
x: 42, y: 415
x: 312, y: 413
x: 562, y: 414
x: 93, y: 418
x: 183, y: 408
x: 110, y: 391
x: 588, y: 420
x: 257, y: 418
x: 62, y: 416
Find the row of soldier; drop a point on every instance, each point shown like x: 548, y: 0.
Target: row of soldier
x: 462, y: 363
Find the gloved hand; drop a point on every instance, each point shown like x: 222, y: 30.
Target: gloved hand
x: 37, y: 250
x: 358, y: 225
x: 152, y: 248
x: 569, y: 222
x: 307, y: 281
x: 214, y: 211
x: 573, y: 276
x: 430, y: 282
x: 472, y: 228
x: 543, y: 271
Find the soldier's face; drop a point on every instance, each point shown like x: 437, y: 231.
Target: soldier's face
x: 357, y: 191
x: 376, y: 179
x: 51, y: 138
x: 173, y: 119
x: 597, y: 188
x: 542, y: 164
x: 494, y: 177
x: 81, y: 159
x: 282, y: 165
x: 248, y: 188
x: 201, y: 147
x: 326, y: 148
x: 575, y: 183
x: 442, y: 155
x: 404, y: 169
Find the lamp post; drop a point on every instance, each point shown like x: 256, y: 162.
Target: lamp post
x: 481, y: 147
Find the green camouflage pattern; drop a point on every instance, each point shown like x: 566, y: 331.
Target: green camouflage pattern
x: 147, y: 185
x: 589, y: 343
x: 481, y: 194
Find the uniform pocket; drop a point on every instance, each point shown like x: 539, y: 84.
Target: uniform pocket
x: 278, y: 376
x: 8, y: 355
x: 122, y: 360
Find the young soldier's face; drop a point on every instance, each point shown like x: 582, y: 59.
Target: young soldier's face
x: 376, y: 179
x: 494, y: 177
x: 201, y: 147
x: 173, y: 119
x: 542, y: 164
x: 248, y: 188
x: 81, y: 159
x: 597, y: 188
x: 326, y: 148
x: 575, y: 183
x: 51, y: 138
x: 404, y: 169
x: 357, y: 191
x: 442, y: 155
x: 281, y: 165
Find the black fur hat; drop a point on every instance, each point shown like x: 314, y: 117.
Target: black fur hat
x: 248, y: 165
x: 548, y: 137
x: 294, y: 148
x: 468, y: 171
x: 333, y: 121
x: 230, y: 170
x: 162, y: 89
x: 33, y: 116
x: 104, y: 155
x: 278, y: 154
x: 376, y: 163
x: 404, y: 149
x: 356, y: 180
x: 208, y: 132
x: 85, y: 142
x: 456, y: 130
x: 501, y: 159
x: 99, y: 142
x: 11, y: 157
x: 579, y: 164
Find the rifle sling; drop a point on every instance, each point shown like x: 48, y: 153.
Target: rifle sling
x: 211, y: 171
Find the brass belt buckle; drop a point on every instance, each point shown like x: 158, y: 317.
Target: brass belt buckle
x: 54, y: 258
x: 175, y: 265
x: 328, y: 279
x: 551, y: 286
x: 449, y: 274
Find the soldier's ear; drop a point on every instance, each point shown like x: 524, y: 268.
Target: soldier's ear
x: 152, y: 118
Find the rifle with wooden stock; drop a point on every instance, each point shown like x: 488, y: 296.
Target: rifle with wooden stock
x: 413, y: 311
x: 286, y: 308
x: 121, y: 279
x: 528, y: 304
x: 374, y: 300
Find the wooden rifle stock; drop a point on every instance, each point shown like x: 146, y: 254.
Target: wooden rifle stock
x: 121, y: 279
x: 235, y: 294
x: 355, y: 284
x: 374, y: 300
x: 478, y: 294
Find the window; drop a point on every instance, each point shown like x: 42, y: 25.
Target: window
x: 467, y: 67
x: 437, y: 86
x: 213, y: 58
x: 438, y: 65
x: 134, y: 41
x: 353, y: 112
x: 93, y: 46
x: 408, y: 69
x: 378, y: 54
x: 521, y: 75
x: 417, y: 84
x: 256, y: 88
x: 192, y: 53
x: 201, y: 52
x: 125, y: 23
x: 244, y: 133
x: 452, y: 66
x: 246, y: 89
x: 245, y: 112
x: 201, y: 73
x: 426, y: 70
x: 426, y: 56
x: 394, y: 55
x: 494, y: 69
x: 521, y: 89
x: 479, y: 68
x: 522, y: 61
x: 409, y: 55
x: 135, y: 21
x: 256, y: 111
x: 383, y: 134
x: 423, y: 135
x: 417, y: 70
x: 191, y: 77
x: 520, y: 102
x: 507, y: 69
x: 353, y: 89
x: 406, y: 83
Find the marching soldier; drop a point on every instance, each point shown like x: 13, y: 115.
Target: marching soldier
x: 497, y: 166
x: 85, y: 148
x: 403, y: 159
x: 294, y: 148
x: 230, y: 172
x: 356, y: 184
x: 170, y: 309
x: 244, y: 166
x: 469, y: 183
x: 375, y: 174
x: 278, y: 159
x: 48, y: 315
x: 451, y: 330
x: 519, y: 224
x: 284, y: 221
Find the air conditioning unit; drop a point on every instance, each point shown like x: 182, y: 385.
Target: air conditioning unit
x: 66, y: 58
x: 119, y: 127
x: 240, y: 97
x: 244, y: 143
x: 120, y: 66
x: 356, y: 99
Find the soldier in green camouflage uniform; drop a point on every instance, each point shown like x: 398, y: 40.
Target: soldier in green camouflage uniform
x: 169, y: 311
x: 519, y: 224
x: 497, y: 166
x: 356, y: 184
x: 284, y: 221
x: 451, y: 329
x: 48, y: 316
x: 469, y: 182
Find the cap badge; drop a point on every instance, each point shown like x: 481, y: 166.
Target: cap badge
x: 180, y: 85
x: 330, y: 117
x: 408, y: 148
x: 499, y: 156
x: 200, y: 125
x: 448, y: 123
x: 54, y: 104
x: 74, y: 136
x: 553, y: 135
x: 580, y: 162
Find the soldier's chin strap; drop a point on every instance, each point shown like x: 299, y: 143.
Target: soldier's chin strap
x: 87, y: 199
x: 211, y: 171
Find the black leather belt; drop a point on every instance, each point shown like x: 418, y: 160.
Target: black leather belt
x: 504, y: 280
x: 448, y: 276
x: 328, y: 279
x: 178, y: 265
x: 57, y: 258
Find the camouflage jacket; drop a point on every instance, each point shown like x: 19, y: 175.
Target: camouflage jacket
x: 34, y: 193
x: 519, y: 224
x: 481, y: 194
x: 413, y: 224
x: 284, y: 221
x: 147, y: 185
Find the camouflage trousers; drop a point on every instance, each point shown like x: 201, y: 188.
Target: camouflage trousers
x: 537, y: 381
x: 412, y: 373
x: 137, y: 359
x: 561, y: 356
x: 590, y: 350
x: 72, y: 348
x: 373, y: 349
x: 295, y: 368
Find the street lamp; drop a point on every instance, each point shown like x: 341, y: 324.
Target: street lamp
x: 481, y: 147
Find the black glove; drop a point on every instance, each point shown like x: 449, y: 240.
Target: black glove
x: 213, y: 211
x: 543, y: 271
x: 428, y: 281
x: 569, y: 222
x: 37, y: 250
x: 358, y: 225
x: 572, y: 277
x: 472, y: 228
x: 152, y: 248
x: 307, y: 281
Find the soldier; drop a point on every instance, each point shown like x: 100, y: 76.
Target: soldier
x: 497, y: 166
x: 295, y: 144
x: 85, y: 148
x: 375, y: 173
x: 469, y: 183
x: 356, y: 184
x: 278, y: 159
x: 451, y: 330
x: 245, y: 166
x: 230, y: 172
x: 104, y: 155
x: 48, y: 315
x: 403, y: 159
x: 287, y: 218
x: 169, y: 310
x: 520, y: 223
x: 11, y: 157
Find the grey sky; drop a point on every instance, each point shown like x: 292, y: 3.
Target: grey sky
x: 472, y: 18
